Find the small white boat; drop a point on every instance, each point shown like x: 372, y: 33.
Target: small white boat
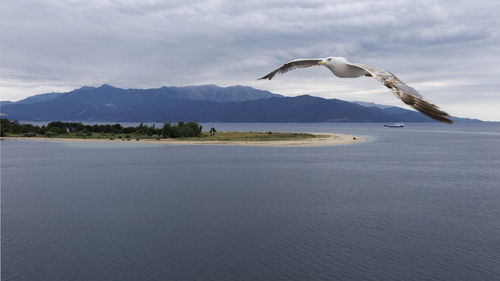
x: 395, y: 125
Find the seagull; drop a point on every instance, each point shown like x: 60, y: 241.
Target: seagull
x: 343, y: 68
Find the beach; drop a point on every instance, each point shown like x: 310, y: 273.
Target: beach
x: 325, y: 139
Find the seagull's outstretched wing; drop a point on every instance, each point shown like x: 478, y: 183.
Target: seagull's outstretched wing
x: 406, y: 93
x: 299, y: 63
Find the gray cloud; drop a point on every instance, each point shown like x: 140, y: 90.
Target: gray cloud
x: 449, y: 50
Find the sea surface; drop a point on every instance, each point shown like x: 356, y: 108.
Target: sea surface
x: 417, y: 203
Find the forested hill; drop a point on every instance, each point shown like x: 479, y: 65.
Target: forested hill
x: 207, y: 103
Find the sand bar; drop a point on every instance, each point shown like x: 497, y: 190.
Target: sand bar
x: 324, y: 140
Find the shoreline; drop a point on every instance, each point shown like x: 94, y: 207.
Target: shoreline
x: 327, y: 140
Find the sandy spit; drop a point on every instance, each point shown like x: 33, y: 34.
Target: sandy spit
x: 324, y: 140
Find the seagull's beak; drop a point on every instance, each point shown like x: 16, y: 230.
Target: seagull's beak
x: 321, y: 63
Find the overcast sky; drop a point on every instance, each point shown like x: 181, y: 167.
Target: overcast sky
x: 448, y: 50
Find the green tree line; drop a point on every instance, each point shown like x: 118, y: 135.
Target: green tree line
x: 58, y: 128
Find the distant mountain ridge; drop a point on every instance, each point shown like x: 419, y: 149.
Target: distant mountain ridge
x: 203, y: 92
x: 207, y: 103
x: 40, y: 98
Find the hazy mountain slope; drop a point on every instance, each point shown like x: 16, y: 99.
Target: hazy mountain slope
x: 197, y: 103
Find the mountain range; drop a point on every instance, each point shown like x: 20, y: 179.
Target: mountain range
x: 206, y: 103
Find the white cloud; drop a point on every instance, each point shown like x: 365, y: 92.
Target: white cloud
x: 449, y: 50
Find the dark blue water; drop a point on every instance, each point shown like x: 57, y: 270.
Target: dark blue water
x: 419, y: 203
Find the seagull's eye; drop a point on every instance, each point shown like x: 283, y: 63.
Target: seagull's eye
x: 329, y: 59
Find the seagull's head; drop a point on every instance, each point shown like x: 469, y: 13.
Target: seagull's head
x: 326, y: 61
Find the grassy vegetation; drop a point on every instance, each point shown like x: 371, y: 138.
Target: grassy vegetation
x: 253, y: 136
x: 205, y: 136
x: 180, y: 130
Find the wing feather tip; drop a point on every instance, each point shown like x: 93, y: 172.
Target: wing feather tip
x: 448, y: 121
x: 268, y: 77
x: 442, y: 118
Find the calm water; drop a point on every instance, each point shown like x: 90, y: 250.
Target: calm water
x: 419, y: 203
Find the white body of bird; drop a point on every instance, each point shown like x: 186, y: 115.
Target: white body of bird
x: 342, y: 68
